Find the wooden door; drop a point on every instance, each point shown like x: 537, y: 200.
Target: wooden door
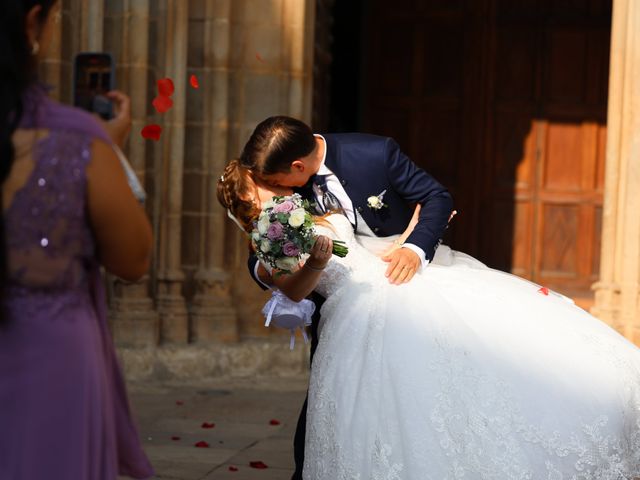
x: 546, y: 120
x: 505, y: 103
x: 423, y: 77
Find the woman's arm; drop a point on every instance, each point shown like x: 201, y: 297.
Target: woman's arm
x: 122, y: 230
x: 401, y: 239
x: 303, y: 281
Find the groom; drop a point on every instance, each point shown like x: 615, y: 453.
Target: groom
x: 365, y: 176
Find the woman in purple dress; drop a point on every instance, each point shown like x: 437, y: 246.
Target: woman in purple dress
x: 67, y: 209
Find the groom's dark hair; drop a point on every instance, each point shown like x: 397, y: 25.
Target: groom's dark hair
x: 275, y: 144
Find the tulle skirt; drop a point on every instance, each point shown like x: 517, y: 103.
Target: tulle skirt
x: 469, y: 373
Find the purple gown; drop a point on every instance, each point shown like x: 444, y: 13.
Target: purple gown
x: 64, y: 413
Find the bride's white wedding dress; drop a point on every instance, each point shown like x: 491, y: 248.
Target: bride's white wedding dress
x: 464, y: 373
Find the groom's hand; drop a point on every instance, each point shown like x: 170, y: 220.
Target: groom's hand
x: 403, y: 265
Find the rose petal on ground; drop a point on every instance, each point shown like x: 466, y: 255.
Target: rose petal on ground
x: 194, y: 81
x: 273, y: 421
x: 259, y: 58
x: 162, y: 103
x: 152, y: 132
x: 233, y: 468
x: 179, y: 402
x: 543, y: 290
x: 258, y: 464
x: 208, y: 425
x: 165, y: 87
x: 202, y: 444
x: 175, y: 438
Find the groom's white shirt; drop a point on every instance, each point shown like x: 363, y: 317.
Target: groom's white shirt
x: 335, y: 187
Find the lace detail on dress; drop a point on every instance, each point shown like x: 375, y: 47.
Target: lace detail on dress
x: 482, y: 430
x: 53, y: 251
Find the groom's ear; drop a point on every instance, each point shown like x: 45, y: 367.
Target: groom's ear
x: 297, y: 166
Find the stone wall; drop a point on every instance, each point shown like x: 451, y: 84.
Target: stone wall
x: 197, y: 313
x: 617, y: 299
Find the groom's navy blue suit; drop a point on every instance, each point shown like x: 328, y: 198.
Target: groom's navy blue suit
x: 367, y: 165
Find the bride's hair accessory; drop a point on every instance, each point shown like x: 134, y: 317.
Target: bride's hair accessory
x: 235, y: 220
x: 236, y: 192
x: 375, y: 202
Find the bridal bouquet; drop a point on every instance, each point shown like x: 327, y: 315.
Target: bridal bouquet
x: 284, y: 233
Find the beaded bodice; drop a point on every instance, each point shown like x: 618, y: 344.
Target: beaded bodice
x: 49, y: 242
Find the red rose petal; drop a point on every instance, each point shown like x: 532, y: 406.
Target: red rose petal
x: 165, y: 87
x: 259, y: 58
x: 162, y: 103
x: 152, y: 132
x: 543, y: 290
x: 258, y: 464
x: 179, y: 402
x: 233, y: 468
x: 175, y: 438
x: 194, y: 81
x: 274, y: 422
x: 208, y: 425
x: 202, y: 444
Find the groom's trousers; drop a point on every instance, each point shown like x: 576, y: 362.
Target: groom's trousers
x: 301, y: 429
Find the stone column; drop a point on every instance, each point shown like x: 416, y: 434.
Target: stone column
x: 134, y: 322
x: 617, y: 298
x: 212, y: 314
x: 298, y: 22
x: 170, y: 301
x: 91, y: 25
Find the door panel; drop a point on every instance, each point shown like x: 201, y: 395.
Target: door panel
x: 505, y: 103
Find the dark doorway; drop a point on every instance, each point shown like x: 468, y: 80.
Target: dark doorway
x: 505, y: 103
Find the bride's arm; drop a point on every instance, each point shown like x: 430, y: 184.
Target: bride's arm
x: 397, y: 243
x: 303, y: 281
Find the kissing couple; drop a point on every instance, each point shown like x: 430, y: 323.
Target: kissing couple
x: 427, y: 364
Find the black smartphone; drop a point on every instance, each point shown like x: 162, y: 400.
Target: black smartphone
x: 93, y: 77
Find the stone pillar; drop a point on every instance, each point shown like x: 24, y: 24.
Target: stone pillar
x: 212, y: 315
x: 91, y: 25
x: 298, y: 22
x: 170, y: 301
x: 617, y: 298
x: 271, y: 65
x: 134, y: 322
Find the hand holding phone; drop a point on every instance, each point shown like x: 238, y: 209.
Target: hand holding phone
x: 119, y: 126
x: 93, y: 78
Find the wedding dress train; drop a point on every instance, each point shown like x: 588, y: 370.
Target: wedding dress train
x: 464, y: 373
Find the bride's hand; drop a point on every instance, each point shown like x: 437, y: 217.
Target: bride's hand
x: 320, y: 253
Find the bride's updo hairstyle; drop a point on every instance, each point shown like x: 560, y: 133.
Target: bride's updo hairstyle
x: 275, y: 144
x: 237, y: 192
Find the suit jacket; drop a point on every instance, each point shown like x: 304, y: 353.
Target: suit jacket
x: 366, y: 165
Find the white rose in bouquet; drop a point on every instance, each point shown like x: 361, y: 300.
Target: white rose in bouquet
x: 296, y: 217
x: 286, y: 263
x: 263, y: 224
x: 265, y: 246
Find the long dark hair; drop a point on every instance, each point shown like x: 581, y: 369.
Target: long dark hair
x: 17, y: 72
x: 275, y: 143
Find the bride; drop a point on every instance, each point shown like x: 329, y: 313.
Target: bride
x: 463, y: 373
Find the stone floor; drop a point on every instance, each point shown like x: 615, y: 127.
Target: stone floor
x: 171, y: 416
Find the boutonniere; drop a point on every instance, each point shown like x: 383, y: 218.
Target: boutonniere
x: 375, y: 202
